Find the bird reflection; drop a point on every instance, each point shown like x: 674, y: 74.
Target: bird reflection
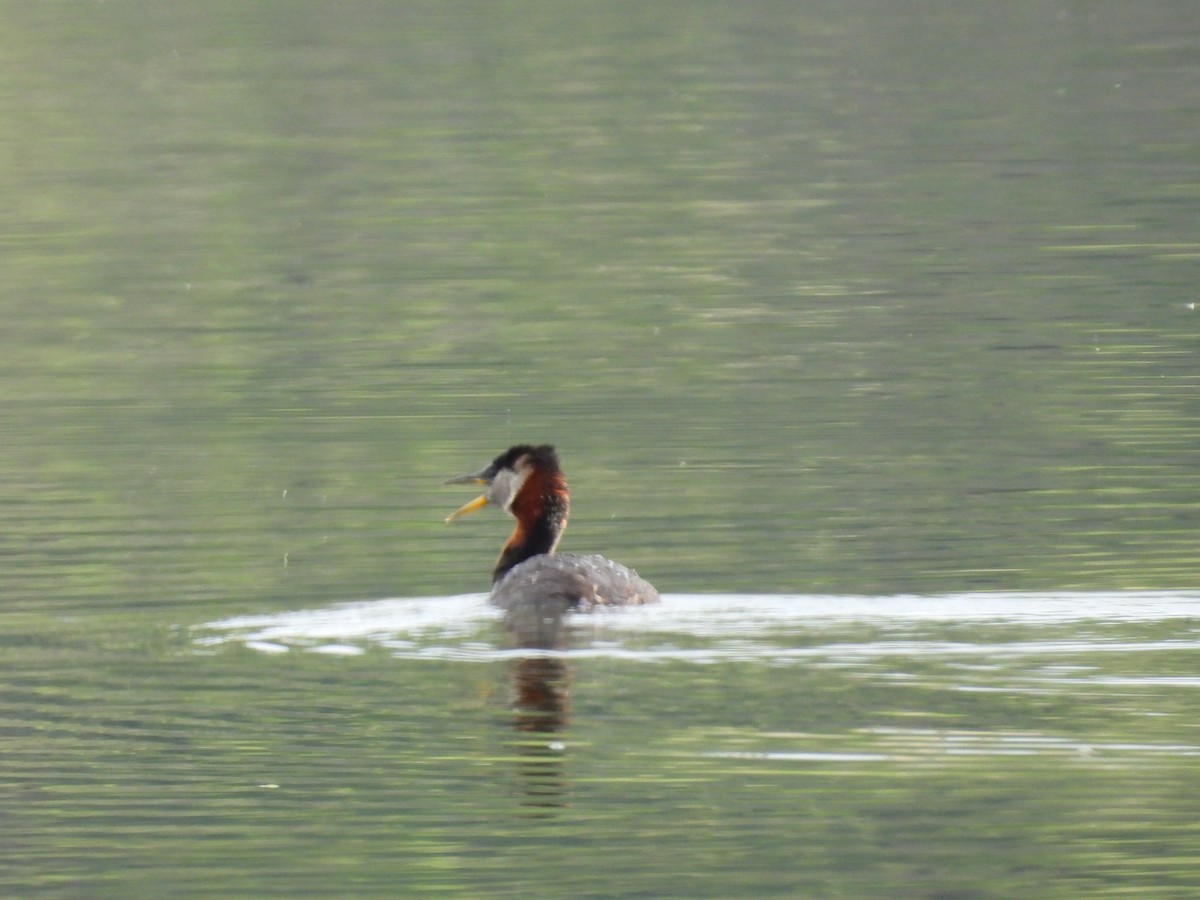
x: 539, y: 717
x: 541, y: 703
x: 542, y: 699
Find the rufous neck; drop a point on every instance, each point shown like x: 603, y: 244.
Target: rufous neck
x: 541, y: 508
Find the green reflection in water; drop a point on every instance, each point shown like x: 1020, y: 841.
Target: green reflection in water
x: 831, y: 298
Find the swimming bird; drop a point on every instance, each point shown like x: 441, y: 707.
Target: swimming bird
x: 528, y: 483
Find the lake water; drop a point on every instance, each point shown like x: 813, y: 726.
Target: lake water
x: 868, y: 334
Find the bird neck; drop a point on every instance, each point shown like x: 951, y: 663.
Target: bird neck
x: 541, y: 508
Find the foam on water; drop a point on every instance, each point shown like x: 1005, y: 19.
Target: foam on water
x: 718, y: 626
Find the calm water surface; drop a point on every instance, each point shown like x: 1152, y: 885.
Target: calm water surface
x: 867, y: 334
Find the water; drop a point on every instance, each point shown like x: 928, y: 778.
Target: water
x: 971, y: 745
x: 867, y: 334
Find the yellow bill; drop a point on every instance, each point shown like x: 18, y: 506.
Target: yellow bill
x: 476, y: 504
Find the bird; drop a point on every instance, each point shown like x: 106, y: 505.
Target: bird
x: 527, y: 482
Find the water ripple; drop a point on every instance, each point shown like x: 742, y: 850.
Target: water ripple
x: 776, y: 629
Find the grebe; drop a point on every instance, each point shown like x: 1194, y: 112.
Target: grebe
x: 527, y: 483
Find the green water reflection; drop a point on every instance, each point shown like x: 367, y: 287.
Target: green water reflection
x: 829, y: 297
x: 928, y: 758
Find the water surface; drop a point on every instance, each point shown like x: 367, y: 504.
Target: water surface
x: 867, y: 333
